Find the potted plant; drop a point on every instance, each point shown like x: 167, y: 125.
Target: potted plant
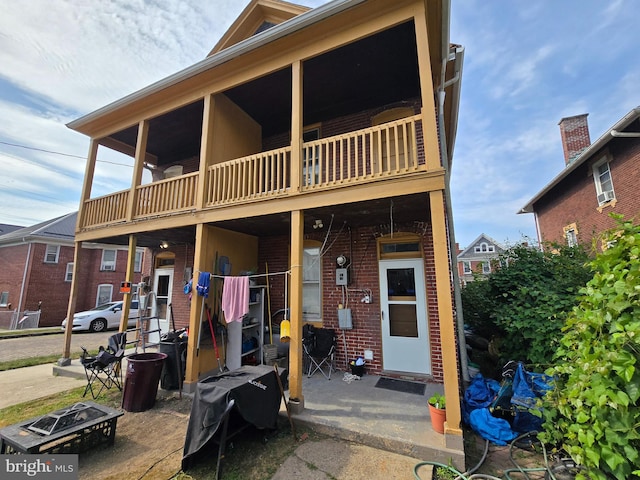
x: 437, y: 411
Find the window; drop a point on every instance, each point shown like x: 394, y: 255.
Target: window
x: 311, y: 158
x: 52, y: 253
x: 311, y: 285
x: 68, y: 276
x: 486, y: 267
x: 4, y: 299
x: 603, y: 181
x: 105, y: 292
x: 466, y: 266
x: 137, y: 264
x: 108, y: 260
x: 571, y: 234
x: 484, y: 247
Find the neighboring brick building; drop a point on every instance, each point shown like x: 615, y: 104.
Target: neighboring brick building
x: 477, y: 257
x: 598, y: 179
x: 37, y: 267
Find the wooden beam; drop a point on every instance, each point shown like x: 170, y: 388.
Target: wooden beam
x: 296, y: 126
x: 78, y: 257
x: 141, y: 148
x: 206, y: 148
x: 126, y: 303
x: 445, y: 313
x: 295, y: 301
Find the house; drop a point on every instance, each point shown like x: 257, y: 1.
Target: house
x: 598, y: 179
x: 311, y: 147
x: 477, y: 258
x: 38, y: 267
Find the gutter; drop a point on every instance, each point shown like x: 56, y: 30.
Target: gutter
x: 455, y: 54
x: 586, y: 154
x: 272, y: 34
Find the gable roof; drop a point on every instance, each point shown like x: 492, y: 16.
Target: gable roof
x: 59, y: 230
x: 488, y: 240
x: 6, y: 228
x: 257, y: 17
x: 588, y: 153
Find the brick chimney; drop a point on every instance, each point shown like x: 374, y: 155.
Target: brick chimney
x: 575, y: 136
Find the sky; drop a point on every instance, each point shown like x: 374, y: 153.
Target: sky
x: 527, y: 65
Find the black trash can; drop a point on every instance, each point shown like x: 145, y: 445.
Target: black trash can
x: 141, y: 381
x: 173, y: 367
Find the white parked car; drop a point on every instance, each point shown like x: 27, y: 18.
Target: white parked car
x: 103, y: 317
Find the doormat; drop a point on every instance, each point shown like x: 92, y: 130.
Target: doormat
x: 401, y: 385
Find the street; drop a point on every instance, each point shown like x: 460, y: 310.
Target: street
x: 41, y: 345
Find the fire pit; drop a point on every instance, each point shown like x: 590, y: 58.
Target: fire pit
x: 72, y: 429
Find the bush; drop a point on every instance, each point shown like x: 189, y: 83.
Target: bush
x: 593, y: 412
x: 525, y: 300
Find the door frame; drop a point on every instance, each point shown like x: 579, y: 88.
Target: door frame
x: 405, y: 354
x: 163, y: 323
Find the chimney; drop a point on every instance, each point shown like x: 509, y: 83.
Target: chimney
x: 575, y: 136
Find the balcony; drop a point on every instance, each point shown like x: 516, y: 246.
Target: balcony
x: 388, y: 151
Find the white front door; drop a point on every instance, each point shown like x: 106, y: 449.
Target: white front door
x: 405, y: 332
x: 162, y: 286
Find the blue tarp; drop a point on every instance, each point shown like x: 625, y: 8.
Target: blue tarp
x: 517, y: 395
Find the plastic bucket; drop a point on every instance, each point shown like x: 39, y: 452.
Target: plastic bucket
x: 141, y: 381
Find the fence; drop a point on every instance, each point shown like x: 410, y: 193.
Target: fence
x: 14, y: 320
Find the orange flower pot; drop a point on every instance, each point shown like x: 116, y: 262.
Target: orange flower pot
x: 438, y: 417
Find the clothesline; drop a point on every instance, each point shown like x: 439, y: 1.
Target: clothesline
x: 256, y: 275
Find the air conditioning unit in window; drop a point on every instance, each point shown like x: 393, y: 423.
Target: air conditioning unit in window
x: 605, y: 197
x: 108, y: 268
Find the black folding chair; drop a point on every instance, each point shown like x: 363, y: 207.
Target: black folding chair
x: 105, y: 369
x: 319, y: 345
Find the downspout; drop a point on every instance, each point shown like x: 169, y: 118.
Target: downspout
x: 449, y: 214
x: 24, y: 275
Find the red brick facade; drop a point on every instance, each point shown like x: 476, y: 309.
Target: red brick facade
x: 45, y: 285
x: 574, y: 199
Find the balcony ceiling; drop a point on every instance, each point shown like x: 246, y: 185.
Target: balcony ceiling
x: 376, y: 71
x: 409, y: 209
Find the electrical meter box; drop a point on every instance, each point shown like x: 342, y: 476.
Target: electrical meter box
x: 342, y: 276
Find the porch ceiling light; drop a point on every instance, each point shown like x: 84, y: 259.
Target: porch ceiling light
x: 164, y: 244
x: 317, y: 224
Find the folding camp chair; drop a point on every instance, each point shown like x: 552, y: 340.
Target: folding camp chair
x: 105, y: 369
x: 319, y: 345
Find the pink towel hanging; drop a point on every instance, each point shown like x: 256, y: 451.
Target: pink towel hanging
x: 235, y: 298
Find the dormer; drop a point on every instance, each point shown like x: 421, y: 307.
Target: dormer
x: 258, y: 16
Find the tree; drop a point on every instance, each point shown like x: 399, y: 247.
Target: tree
x: 593, y: 412
x: 524, y: 300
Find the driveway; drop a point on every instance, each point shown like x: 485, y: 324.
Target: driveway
x: 52, y: 344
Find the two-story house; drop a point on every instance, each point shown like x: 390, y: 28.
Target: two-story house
x: 477, y: 258
x: 38, y: 269
x: 305, y: 141
x: 599, y: 178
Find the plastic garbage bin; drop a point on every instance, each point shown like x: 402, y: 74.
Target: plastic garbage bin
x: 141, y: 381
x: 174, y: 367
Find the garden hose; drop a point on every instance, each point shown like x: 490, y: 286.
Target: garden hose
x: 469, y: 475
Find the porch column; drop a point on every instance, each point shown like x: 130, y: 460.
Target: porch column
x: 141, y: 148
x: 446, y: 318
x: 89, y: 171
x: 131, y: 261
x: 78, y: 256
x: 206, y: 150
x: 296, y: 125
x: 199, y: 265
x: 428, y: 113
x: 295, y: 301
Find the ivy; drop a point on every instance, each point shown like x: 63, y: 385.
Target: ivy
x: 593, y: 413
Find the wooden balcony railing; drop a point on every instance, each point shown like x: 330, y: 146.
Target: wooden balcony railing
x: 105, y: 210
x: 262, y: 175
x: 167, y: 196
x: 389, y: 150
x: 377, y: 152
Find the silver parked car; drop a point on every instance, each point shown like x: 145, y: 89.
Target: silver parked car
x: 103, y: 317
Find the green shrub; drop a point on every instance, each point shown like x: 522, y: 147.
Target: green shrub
x: 593, y: 412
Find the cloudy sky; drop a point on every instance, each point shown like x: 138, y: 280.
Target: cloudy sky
x: 527, y: 65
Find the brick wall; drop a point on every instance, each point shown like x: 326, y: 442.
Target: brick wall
x: 360, y: 246
x: 574, y: 200
x: 13, y: 261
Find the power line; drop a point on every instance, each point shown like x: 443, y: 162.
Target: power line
x: 61, y: 153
